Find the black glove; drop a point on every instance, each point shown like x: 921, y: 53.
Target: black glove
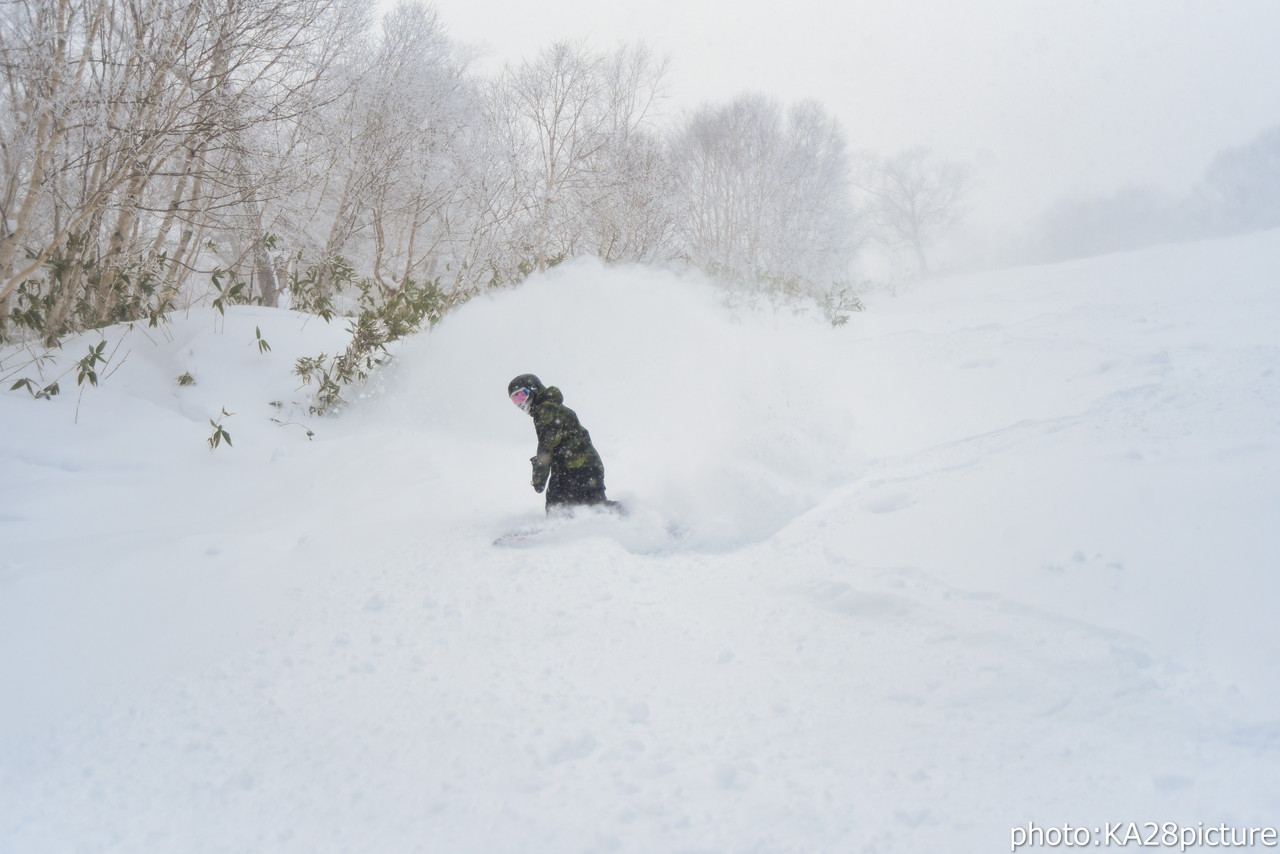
x: 537, y: 487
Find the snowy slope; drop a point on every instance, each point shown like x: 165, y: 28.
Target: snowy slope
x: 1001, y: 550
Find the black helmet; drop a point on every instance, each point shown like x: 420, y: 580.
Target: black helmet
x: 523, y: 389
x: 528, y: 381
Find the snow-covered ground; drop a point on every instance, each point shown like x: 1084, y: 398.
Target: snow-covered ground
x: 1001, y: 550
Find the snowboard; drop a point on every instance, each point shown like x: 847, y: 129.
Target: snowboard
x: 559, y: 520
x: 640, y: 531
x: 519, y: 536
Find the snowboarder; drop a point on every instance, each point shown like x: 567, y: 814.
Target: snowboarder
x: 565, y: 453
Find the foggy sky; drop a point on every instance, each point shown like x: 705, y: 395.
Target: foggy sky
x: 1047, y: 99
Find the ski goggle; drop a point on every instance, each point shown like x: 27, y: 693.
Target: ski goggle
x: 522, y: 398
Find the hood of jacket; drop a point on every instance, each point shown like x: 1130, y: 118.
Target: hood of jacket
x: 551, y: 394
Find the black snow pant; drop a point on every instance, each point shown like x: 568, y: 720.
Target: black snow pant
x: 575, y: 487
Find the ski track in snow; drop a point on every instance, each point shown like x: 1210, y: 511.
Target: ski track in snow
x: 1001, y: 550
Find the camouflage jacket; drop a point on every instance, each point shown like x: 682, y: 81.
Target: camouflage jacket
x: 563, y: 443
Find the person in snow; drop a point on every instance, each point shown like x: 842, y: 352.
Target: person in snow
x: 565, y: 453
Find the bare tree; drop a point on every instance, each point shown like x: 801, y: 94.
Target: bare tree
x: 914, y: 197
x: 382, y: 144
x: 628, y: 211
x: 576, y: 122
x: 558, y: 122
x: 486, y: 219
x: 765, y: 194
x: 632, y: 215
x: 427, y: 106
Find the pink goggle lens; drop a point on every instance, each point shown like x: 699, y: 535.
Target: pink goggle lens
x: 520, y: 397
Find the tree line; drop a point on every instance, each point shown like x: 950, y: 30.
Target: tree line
x: 154, y: 153
x: 1238, y: 192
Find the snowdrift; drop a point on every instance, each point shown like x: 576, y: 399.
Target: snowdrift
x: 999, y: 551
